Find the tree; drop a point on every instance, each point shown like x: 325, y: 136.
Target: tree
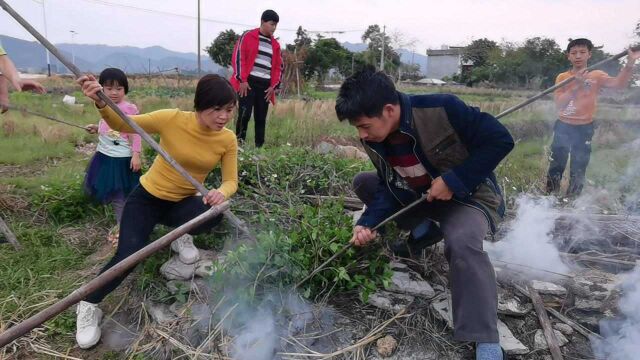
x: 324, y: 55
x: 302, y: 39
x: 409, y: 72
x: 375, y: 39
x: 478, y: 51
x: 221, y: 48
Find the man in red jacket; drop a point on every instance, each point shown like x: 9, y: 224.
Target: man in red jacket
x: 257, y: 72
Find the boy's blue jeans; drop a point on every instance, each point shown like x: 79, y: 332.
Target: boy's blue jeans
x: 574, y: 140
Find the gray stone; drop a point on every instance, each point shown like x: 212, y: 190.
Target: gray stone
x: 174, y: 286
x: 441, y: 304
x: 588, y: 305
x: 407, y: 281
x: 563, y: 328
x: 386, y: 346
x: 540, y: 342
x: 594, y: 284
x: 345, y: 151
x: 160, y: 313
x: 509, y: 343
x: 390, y: 301
x: 548, y: 288
x: 509, y: 305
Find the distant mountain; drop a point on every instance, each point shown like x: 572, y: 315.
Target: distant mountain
x: 355, y: 47
x: 30, y: 56
x: 406, y: 56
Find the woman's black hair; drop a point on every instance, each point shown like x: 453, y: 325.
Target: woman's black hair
x: 213, y: 91
x: 114, y: 76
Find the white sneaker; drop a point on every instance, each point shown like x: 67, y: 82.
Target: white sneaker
x: 88, y: 324
x: 183, y: 245
x: 175, y: 269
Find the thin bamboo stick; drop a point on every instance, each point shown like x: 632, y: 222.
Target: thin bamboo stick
x: 82, y: 292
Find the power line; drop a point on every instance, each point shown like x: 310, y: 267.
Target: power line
x: 216, y: 21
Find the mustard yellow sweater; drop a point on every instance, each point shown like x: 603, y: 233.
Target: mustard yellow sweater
x: 198, y: 149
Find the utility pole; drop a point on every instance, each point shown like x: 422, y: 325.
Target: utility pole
x: 384, y: 29
x: 353, y: 56
x: 295, y: 58
x: 199, y: 65
x: 44, y: 20
x: 73, y: 52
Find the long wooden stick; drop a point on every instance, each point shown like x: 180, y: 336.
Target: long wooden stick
x: 74, y: 69
x: 549, y: 335
x: 11, y: 238
x: 26, y: 111
x: 86, y: 289
x: 563, y: 83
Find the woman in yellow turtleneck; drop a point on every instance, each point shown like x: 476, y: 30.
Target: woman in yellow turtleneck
x: 197, y: 140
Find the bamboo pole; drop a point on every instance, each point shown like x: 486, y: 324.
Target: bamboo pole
x: 563, y: 83
x: 86, y: 289
x: 26, y: 111
x: 235, y: 221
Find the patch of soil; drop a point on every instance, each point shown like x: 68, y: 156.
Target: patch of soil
x: 340, y: 140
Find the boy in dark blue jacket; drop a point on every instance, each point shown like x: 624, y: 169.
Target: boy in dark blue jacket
x: 434, y: 144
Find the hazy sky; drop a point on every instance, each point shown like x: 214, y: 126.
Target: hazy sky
x: 429, y: 23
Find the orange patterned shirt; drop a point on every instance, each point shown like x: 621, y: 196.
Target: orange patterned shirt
x: 583, y: 104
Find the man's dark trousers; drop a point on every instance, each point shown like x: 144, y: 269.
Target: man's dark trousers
x: 472, y: 279
x: 253, y: 101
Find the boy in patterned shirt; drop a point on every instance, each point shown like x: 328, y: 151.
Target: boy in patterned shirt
x: 576, y: 105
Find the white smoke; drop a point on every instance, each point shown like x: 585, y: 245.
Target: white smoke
x: 622, y: 336
x: 259, y: 330
x: 257, y: 338
x: 528, y: 241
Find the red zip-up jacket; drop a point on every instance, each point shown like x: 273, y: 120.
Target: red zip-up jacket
x: 244, y: 55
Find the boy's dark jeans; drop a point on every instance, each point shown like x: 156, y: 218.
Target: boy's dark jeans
x: 471, y: 275
x: 574, y: 140
x: 253, y: 101
x: 141, y: 213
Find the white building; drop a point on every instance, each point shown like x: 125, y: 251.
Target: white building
x: 445, y: 62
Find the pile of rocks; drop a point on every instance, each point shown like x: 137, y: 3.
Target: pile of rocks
x: 584, y: 299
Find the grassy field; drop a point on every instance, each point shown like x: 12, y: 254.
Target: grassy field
x: 42, y: 167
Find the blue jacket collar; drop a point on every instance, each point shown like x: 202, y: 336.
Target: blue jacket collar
x: 406, y: 115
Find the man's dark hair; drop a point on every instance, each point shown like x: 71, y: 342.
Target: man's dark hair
x: 114, y: 77
x: 365, y: 93
x: 213, y: 91
x: 580, y: 42
x: 270, y: 15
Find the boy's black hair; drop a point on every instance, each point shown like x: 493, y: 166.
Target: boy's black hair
x: 365, y: 93
x: 270, y: 15
x: 580, y: 42
x: 114, y: 76
x: 213, y: 91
